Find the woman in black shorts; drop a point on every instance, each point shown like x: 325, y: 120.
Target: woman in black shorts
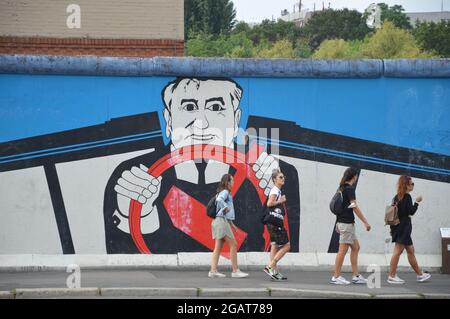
x: 279, y: 239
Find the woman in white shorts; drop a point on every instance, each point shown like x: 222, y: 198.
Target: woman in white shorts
x: 345, y: 226
x: 221, y: 228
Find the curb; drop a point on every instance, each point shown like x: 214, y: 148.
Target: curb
x: 149, y: 292
x: 307, y: 293
x: 6, y: 295
x: 205, y: 293
x: 399, y: 296
x: 56, y: 293
x: 234, y: 292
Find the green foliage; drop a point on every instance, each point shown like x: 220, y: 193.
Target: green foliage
x: 208, y: 16
x: 395, y: 15
x: 335, y: 24
x: 434, y: 37
x: 390, y: 42
x: 280, y: 49
x: 205, y: 45
x: 273, y: 31
x: 339, y: 49
x: 329, y: 34
x: 302, y: 49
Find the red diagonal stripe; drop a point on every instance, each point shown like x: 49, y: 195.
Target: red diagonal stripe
x: 189, y: 216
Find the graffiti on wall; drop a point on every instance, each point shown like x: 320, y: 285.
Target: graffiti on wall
x: 155, y: 202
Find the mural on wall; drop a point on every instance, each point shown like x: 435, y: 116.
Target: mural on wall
x: 172, y: 206
x: 154, y: 202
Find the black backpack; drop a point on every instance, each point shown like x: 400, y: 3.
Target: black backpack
x: 211, y: 209
x: 337, y: 203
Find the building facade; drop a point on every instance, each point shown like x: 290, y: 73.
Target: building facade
x: 141, y: 28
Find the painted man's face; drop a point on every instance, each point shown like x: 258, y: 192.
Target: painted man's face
x: 202, y: 112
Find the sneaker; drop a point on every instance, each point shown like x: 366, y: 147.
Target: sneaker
x: 424, y: 277
x: 239, y: 274
x: 339, y: 281
x: 395, y: 280
x: 216, y: 274
x: 279, y: 276
x: 270, y: 272
x: 359, y: 280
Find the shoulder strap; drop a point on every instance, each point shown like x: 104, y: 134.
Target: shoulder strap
x: 394, y: 202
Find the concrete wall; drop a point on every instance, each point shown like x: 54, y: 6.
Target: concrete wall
x: 71, y: 127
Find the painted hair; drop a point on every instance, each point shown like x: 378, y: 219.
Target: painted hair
x: 402, y: 186
x: 348, y: 175
x: 167, y: 92
x: 226, y: 178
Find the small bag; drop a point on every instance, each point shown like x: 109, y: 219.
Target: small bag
x: 391, y: 214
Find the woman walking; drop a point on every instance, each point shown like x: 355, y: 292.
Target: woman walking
x: 278, y: 235
x: 345, y: 226
x: 221, y: 229
x: 401, y: 233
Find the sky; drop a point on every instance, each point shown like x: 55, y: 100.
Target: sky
x: 257, y: 10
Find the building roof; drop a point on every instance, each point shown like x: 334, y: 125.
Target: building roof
x: 428, y: 16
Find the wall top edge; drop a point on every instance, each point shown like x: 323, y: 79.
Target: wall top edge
x: 222, y: 67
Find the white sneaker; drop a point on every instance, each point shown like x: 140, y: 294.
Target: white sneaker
x: 424, y: 277
x: 359, y: 280
x: 339, y: 281
x: 239, y: 274
x: 216, y: 274
x: 395, y: 280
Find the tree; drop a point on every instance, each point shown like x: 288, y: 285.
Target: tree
x: 242, y: 26
x: 339, y: 49
x: 434, y: 37
x: 395, y: 15
x: 209, y: 16
x: 200, y: 46
x: 302, y: 49
x: 280, y: 49
x: 335, y: 24
x: 269, y: 30
x: 390, y: 42
x: 233, y: 46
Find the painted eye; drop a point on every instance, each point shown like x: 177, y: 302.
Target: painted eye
x: 216, y: 107
x: 190, y: 107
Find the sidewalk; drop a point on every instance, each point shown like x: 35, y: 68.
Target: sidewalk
x: 194, y: 284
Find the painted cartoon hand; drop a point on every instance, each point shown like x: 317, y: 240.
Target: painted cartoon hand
x: 138, y: 185
x: 263, y: 168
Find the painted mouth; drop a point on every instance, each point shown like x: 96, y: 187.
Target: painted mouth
x: 207, y: 137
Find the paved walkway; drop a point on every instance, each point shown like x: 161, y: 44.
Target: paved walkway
x: 193, y: 284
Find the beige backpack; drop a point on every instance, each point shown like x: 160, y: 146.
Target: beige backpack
x: 391, y: 214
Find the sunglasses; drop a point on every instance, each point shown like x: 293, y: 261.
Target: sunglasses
x: 281, y: 177
x: 411, y: 184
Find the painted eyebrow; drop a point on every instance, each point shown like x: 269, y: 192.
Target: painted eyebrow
x: 219, y: 99
x: 189, y: 100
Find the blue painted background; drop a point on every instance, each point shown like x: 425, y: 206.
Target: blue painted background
x: 407, y: 112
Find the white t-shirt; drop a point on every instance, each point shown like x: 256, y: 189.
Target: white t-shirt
x: 275, y: 191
